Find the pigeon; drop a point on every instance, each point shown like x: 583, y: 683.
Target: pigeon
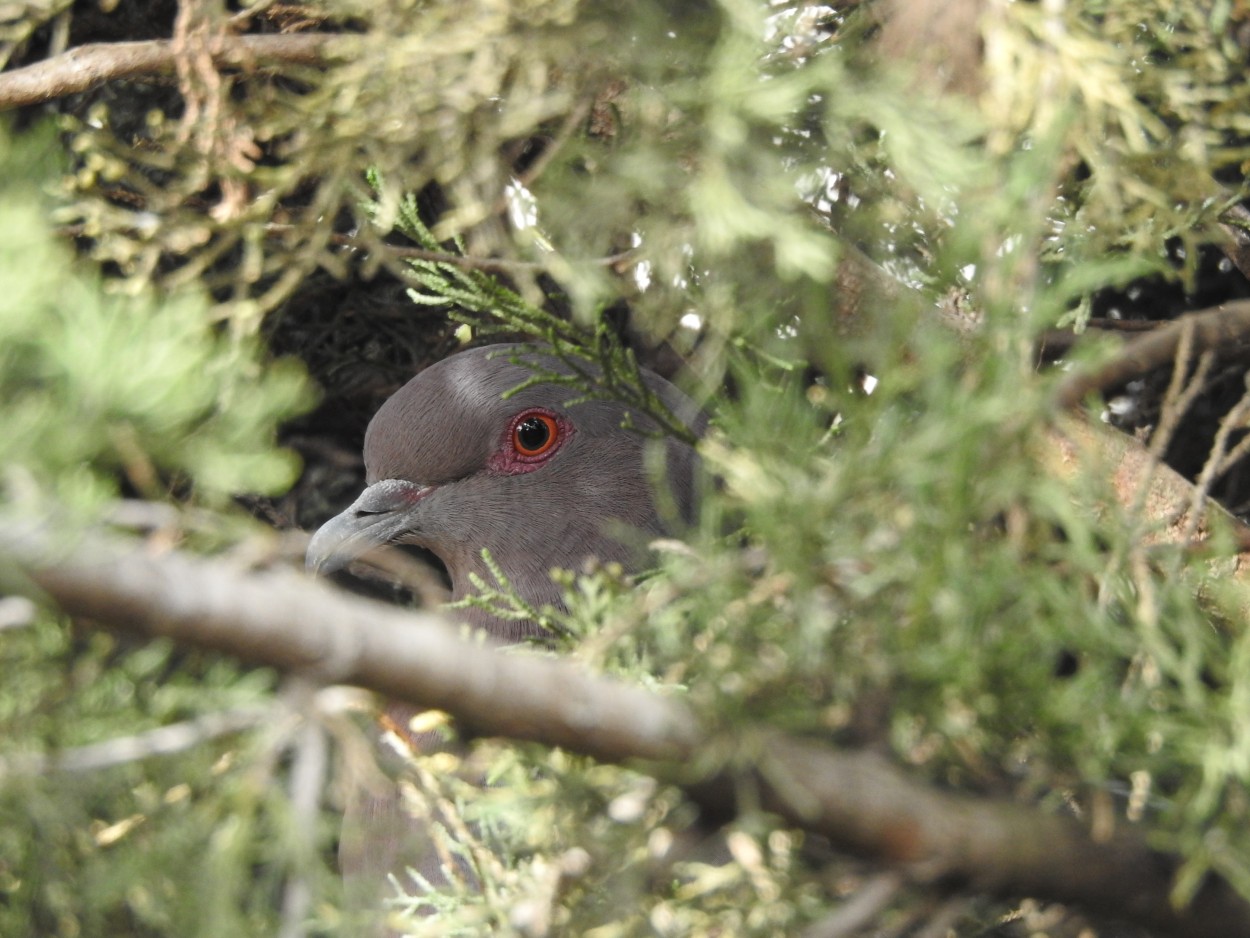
x: 459, y: 461
x: 541, y: 478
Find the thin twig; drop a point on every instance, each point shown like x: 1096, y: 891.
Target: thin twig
x: 1216, y: 329
x: 1216, y: 462
x: 307, y: 783
x: 1054, y: 344
x: 82, y: 68
x: 162, y: 741
x: 489, y: 264
x: 1236, y: 454
x: 860, y: 909
x: 577, y: 115
x: 247, y: 14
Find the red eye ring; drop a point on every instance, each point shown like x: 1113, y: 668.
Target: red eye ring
x: 534, y: 433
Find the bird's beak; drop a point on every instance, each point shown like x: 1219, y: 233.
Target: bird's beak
x: 381, y: 515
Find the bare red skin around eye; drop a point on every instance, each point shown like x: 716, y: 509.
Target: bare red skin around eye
x: 508, y: 461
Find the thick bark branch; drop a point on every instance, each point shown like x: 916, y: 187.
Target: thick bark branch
x: 84, y: 67
x: 1169, y: 497
x: 1075, y: 445
x: 858, y: 800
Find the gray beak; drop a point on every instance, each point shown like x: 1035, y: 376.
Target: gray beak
x: 382, y: 514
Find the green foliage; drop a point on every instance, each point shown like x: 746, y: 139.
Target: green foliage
x: 562, y: 845
x: 919, y: 560
x: 102, y: 390
x: 895, y: 566
x: 112, y: 850
x: 602, y: 367
x: 95, y: 383
x: 705, y: 122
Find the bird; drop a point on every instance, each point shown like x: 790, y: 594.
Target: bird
x: 459, y: 461
x: 542, y: 478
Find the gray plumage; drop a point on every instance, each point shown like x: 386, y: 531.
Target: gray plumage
x: 443, y: 472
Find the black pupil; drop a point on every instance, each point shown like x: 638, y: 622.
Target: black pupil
x: 532, y: 433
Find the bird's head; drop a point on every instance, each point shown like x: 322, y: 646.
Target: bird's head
x: 539, y: 478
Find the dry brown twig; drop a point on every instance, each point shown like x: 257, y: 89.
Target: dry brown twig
x: 1053, y: 344
x: 1220, y: 459
x: 84, y: 67
x: 1220, y: 329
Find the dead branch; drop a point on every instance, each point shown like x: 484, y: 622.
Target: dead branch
x: 1218, y: 329
x: 1138, y: 475
x: 858, y: 800
x: 84, y: 67
x: 1053, y: 344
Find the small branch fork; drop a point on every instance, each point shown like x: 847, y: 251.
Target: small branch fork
x: 858, y: 800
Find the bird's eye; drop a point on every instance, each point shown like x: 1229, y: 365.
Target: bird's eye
x: 534, y: 434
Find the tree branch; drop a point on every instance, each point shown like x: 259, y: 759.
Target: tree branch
x: 1214, y: 329
x: 84, y: 67
x: 1053, y: 344
x: 1235, y: 222
x: 1074, y: 444
x: 162, y: 741
x: 858, y: 800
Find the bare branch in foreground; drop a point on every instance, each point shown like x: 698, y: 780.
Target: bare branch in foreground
x: 858, y: 800
x: 84, y: 67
